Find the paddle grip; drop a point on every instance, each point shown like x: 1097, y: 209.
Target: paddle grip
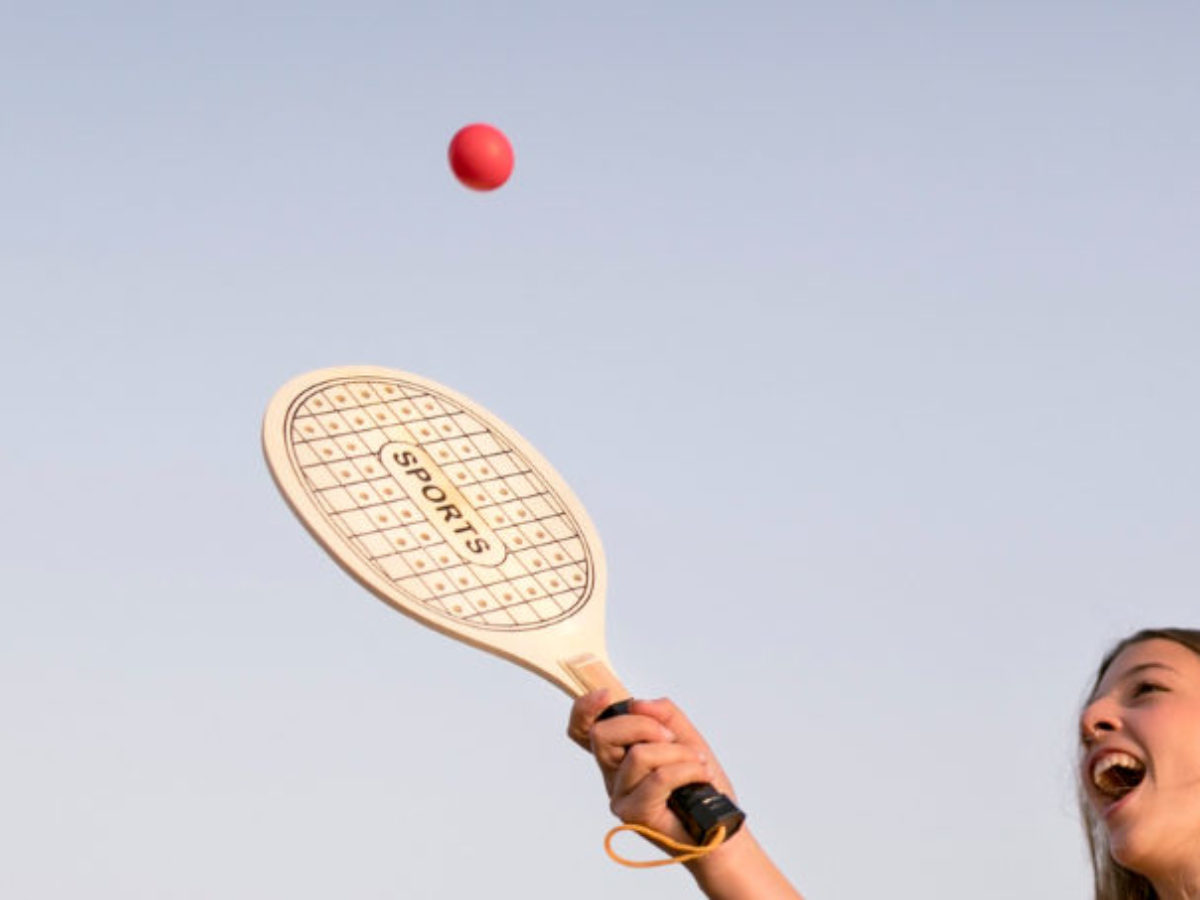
x: 700, y: 807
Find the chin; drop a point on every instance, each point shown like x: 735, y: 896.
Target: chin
x: 1137, y: 849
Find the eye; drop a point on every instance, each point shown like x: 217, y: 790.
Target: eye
x: 1142, y: 688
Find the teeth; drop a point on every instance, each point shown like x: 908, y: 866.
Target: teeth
x: 1114, y: 759
x: 1116, y: 774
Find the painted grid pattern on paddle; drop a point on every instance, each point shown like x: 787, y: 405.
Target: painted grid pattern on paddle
x: 335, y: 432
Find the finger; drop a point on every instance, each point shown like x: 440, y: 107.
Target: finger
x: 583, y: 715
x: 612, y: 738
x: 646, y: 802
x: 645, y: 761
x: 671, y: 717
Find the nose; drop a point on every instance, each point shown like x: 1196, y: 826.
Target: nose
x: 1099, y: 718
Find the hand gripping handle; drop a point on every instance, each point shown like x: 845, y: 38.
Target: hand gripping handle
x: 700, y: 807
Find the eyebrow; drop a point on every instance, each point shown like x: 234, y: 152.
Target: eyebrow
x: 1141, y: 667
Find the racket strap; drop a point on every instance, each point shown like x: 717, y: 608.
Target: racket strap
x: 686, y: 852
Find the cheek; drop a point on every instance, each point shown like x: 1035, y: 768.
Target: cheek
x: 1178, y: 759
x: 1188, y: 744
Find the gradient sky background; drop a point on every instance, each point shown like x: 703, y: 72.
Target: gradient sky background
x: 866, y: 332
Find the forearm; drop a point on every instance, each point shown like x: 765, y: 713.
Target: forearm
x: 741, y: 870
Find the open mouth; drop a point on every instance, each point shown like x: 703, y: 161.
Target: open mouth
x: 1115, y: 775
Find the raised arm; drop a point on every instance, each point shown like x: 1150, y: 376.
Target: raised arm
x: 643, y: 757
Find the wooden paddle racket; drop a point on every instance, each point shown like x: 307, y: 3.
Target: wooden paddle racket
x: 452, y: 518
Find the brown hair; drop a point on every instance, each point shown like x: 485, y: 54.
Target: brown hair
x: 1113, y: 881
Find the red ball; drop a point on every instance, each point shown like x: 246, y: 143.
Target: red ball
x: 481, y: 157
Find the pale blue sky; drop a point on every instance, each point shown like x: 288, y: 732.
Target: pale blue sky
x: 866, y: 332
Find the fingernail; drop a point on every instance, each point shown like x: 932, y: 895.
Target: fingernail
x: 668, y: 733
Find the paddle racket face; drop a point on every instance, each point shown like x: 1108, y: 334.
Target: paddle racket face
x: 444, y: 512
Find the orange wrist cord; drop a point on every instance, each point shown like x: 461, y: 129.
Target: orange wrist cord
x: 687, y: 852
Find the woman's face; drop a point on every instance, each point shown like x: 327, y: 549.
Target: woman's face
x: 1141, y: 763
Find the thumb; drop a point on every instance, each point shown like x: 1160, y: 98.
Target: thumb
x: 583, y: 717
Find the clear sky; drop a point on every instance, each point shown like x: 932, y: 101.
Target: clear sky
x: 866, y: 332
